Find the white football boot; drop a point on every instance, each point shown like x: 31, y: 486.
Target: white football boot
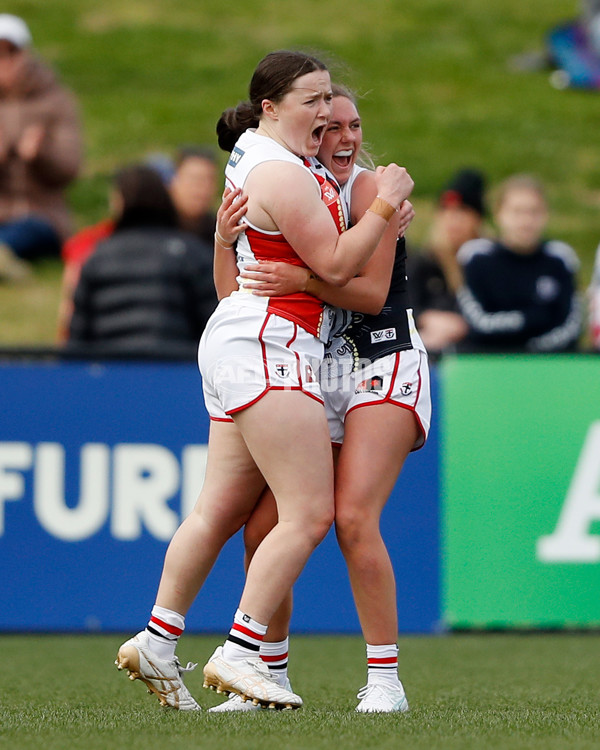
x: 375, y: 698
x: 164, y: 678
x: 237, y: 703
x: 250, y: 679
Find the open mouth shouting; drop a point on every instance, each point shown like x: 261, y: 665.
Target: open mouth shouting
x: 343, y: 158
x: 317, y: 134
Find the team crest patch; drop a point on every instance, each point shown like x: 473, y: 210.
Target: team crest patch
x: 282, y: 370
x: 235, y: 157
x: 370, y: 384
x: 406, y: 388
x: 329, y: 194
x: 385, y: 334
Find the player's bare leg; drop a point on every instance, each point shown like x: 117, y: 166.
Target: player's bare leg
x: 262, y: 520
x: 231, y: 488
x: 274, y: 649
x: 287, y: 434
x: 376, y: 442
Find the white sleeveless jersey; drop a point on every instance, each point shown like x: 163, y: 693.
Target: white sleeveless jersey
x: 255, y: 244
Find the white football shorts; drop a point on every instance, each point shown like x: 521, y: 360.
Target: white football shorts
x: 247, y: 351
x: 401, y: 378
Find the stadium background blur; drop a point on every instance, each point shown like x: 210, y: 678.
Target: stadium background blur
x: 440, y: 92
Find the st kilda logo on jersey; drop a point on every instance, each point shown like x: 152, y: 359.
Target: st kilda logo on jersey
x: 370, y: 384
x: 282, y: 370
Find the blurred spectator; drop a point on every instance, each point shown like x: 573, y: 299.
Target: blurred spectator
x: 40, y: 153
x: 594, y: 302
x: 192, y: 180
x: 520, y: 290
x: 148, y: 288
x: 194, y: 190
x: 574, y: 49
x: 78, y: 248
x: 434, y: 274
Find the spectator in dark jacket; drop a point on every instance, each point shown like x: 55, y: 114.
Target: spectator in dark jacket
x: 192, y: 183
x: 148, y: 288
x: 520, y: 290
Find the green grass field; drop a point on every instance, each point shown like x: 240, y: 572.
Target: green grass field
x: 466, y: 691
x: 439, y: 90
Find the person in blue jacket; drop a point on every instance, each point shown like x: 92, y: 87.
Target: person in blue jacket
x: 519, y: 291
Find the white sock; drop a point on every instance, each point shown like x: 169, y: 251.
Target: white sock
x: 382, y: 665
x: 164, y: 628
x: 244, y: 639
x: 275, y: 656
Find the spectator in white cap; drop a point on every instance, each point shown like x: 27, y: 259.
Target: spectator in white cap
x: 14, y: 30
x: 40, y: 153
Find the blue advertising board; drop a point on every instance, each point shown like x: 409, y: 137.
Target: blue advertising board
x: 99, y: 463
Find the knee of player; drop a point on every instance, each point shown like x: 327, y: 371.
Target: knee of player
x: 318, y: 525
x: 352, y: 527
x: 254, y: 533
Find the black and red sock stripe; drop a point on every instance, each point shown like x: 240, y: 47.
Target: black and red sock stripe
x: 245, y: 637
x: 383, y: 662
x: 277, y: 663
x: 163, y: 629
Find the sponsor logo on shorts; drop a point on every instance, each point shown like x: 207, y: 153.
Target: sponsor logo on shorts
x: 386, y: 334
x: 235, y: 157
x: 282, y: 370
x: 370, y: 384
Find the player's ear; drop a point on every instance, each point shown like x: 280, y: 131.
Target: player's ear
x: 269, y: 108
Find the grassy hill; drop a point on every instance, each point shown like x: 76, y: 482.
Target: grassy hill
x: 439, y: 93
